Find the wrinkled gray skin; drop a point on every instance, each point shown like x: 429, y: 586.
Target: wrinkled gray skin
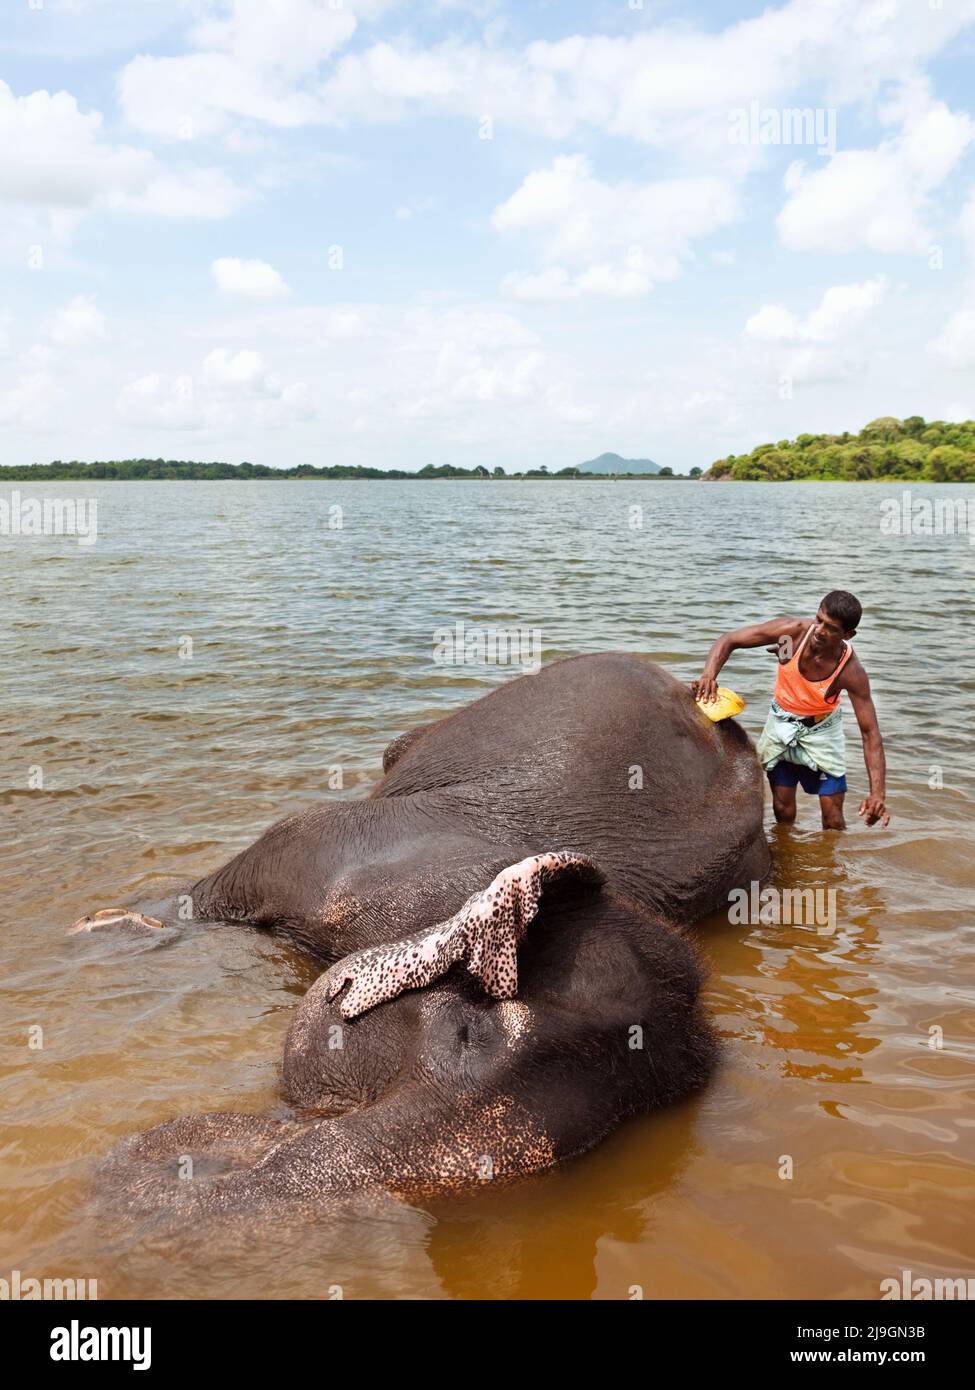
x: 445, y: 1087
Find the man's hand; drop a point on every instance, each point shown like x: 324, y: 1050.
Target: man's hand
x: 706, y: 688
x: 874, y: 809
x: 779, y: 630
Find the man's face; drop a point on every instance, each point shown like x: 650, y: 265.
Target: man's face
x: 827, y: 632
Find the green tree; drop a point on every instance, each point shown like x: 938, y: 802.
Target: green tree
x: 885, y: 429
x: 949, y: 464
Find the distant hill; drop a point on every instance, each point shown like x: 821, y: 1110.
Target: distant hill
x: 612, y: 463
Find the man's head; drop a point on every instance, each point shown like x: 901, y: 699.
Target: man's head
x: 837, y: 620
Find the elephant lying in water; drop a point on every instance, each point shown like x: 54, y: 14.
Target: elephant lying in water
x: 507, y: 980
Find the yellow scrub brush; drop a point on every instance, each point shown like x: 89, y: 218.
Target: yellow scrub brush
x: 726, y: 705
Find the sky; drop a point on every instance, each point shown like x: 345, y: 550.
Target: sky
x: 475, y: 232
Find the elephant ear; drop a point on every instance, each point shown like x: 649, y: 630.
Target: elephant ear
x: 484, y: 935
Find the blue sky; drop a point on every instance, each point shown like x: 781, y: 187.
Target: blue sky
x: 356, y: 231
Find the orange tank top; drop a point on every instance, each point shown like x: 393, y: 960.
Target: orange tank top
x: 799, y: 695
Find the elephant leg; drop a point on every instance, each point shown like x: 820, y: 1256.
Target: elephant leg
x: 484, y: 934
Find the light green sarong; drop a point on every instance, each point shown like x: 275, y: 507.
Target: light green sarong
x: 786, y: 739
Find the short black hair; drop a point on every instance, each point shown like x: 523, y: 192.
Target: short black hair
x: 845, y: 608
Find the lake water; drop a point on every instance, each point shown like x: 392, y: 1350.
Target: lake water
x: 312, y: 647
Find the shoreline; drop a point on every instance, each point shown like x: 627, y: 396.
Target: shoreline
x: 19, y: 475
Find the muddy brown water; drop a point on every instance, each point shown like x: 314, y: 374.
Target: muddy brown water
x: 849, y: 1056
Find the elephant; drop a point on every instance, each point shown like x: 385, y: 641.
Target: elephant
x: 500, y: 921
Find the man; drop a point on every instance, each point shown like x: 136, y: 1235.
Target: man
x: 802, y: 741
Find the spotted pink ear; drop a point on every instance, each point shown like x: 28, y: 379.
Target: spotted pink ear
x: 484, y: 934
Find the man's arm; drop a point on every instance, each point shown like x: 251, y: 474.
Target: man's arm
x: 756, y: 635
x: 872, y: 806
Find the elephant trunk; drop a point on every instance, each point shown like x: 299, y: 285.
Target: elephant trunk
x: 228, y: 1165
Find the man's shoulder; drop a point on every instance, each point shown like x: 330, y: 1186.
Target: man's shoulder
x: 854, y: 674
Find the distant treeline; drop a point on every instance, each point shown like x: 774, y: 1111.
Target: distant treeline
x: 149, y: 469
x: 910, y: 449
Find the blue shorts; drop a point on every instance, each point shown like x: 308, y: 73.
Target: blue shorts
x: 816, y: 783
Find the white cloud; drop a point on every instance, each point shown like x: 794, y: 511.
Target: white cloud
x: 628, y: 279
x: 55, y: 162
x: 966, y: 223
x: 344, y: 324
x: 407, y: 211
x: 482, y: 328
x: 249, y: 279
x: 249, y: 58
x: 672, y: 84
x: 774, y: 323
x: 618, y: 238
x: 956, y: 342
x: 878, y: 200
x: 453, y: 362
x: 289, y: 322
x: 562, y: 405
x: 701, y: 402
x: 159, y: 401
x: 551, y: 284
x: 841, y: 309
x: 463, y: 376
x: 240, y: 372
x: 42, y: 355
x: 190, y: 193
x: 294, y: 404
x: 818, y: 345
x: 231, y: 389
x: 494, y: 381
x: 53, y: 153
x: 27, y: 401
x: 462, y: 371
x: 820, y: 364
x: 79, y: 322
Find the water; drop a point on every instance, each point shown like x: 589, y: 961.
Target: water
x: 311, y: 649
